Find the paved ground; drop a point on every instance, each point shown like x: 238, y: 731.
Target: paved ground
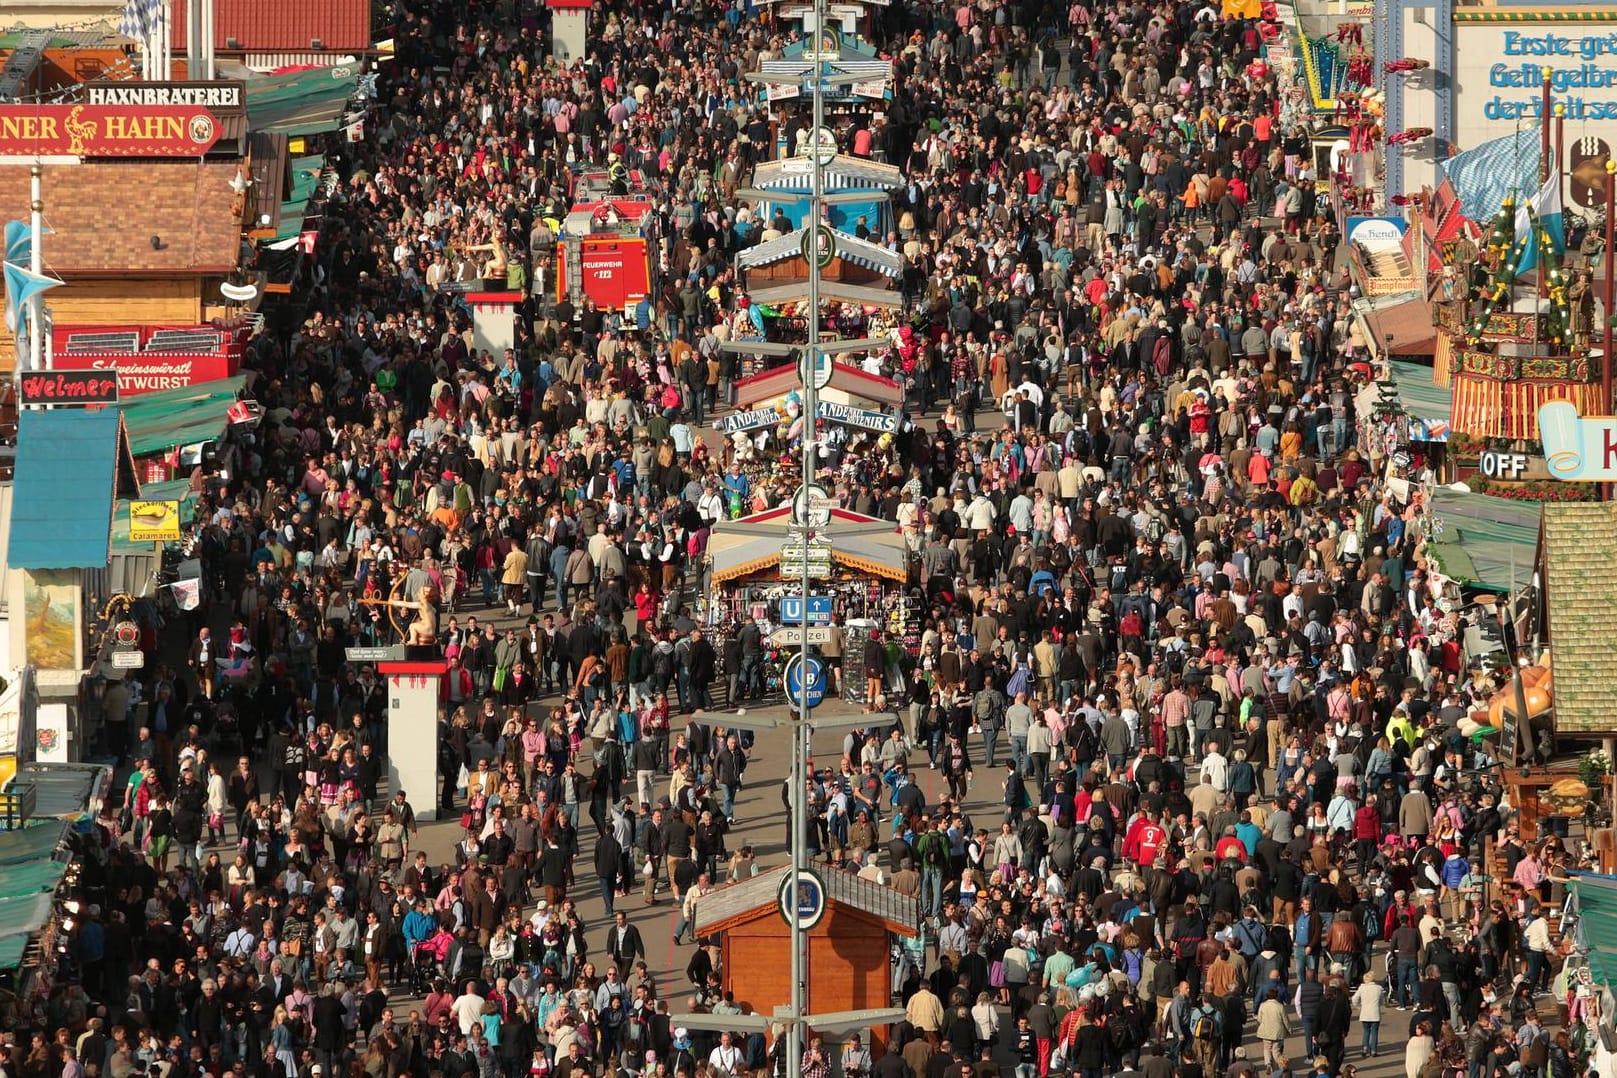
x: 761, y: 823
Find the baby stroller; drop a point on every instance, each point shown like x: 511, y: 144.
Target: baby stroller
x: 427, y: 959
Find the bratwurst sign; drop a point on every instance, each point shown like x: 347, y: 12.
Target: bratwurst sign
x: 106, y: 131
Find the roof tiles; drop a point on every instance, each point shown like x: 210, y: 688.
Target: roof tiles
x: 1580, y: 559
x: 339, y: 25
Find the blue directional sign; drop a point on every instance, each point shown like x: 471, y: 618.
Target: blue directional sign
x: 805, y: 682
x: 819, y: 610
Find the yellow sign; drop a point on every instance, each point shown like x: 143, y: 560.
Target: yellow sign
x: 154, y: 522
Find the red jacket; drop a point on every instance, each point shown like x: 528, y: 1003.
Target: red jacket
x: 1367, y: 824
x: 1144, y: 839
x: 467, y: 691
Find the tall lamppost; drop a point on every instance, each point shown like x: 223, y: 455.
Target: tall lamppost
x: 810, y: 523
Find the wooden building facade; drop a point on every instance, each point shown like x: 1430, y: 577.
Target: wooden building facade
x: 849, y: 951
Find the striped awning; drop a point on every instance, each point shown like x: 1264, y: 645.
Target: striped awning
x: 841, y: 557
x: 771, y: 251
x: 849, y: 248
x: 746, y: 568
x: 831, y: 292
x: 869, y: 255
x: 844, y: 172
x: 866, y: 565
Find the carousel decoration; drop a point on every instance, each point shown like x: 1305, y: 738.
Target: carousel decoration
x: 1361, y: 68
x: 1511, y: 351
x: 1409, y: 137
x: 1500, y: 254
x: 1405, y: 66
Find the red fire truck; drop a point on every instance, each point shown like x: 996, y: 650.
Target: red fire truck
x: 607, y: 249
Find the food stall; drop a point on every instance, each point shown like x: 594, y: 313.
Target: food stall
x: 867, y: 572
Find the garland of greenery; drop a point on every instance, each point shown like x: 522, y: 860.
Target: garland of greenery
x: 1505, y: 254
x: 1558, y: 318
x: 1502, y: 255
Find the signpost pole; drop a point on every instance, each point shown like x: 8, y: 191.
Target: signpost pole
x: 800, y: 733
x: 36, y: 263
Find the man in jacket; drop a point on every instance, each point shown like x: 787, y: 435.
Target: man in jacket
x: 623, y: 941
x: 1310, y: 993
x: 608, y: 852
x: 655, y: 850
x: 1307, y: 933
x: 1331, y: 1025
x: 750, y: 679
x: 729, y: 764
x: 701, y: 661
x: 1344, y: 941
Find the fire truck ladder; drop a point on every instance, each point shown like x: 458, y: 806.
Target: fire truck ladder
x: 575, y: 269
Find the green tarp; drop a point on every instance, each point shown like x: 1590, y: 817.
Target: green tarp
x: 305, y: 180
x: 32, y: 878
x: 1424, y: 399
x: 302, y: 103
x: 1596, y: 898
x: 24, y: 914
x: 12, y: 948
x: 35, y: 842
x: 1499, y: 537
x: 185, y: 416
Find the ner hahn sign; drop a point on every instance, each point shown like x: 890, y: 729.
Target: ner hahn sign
x: 106, y: 131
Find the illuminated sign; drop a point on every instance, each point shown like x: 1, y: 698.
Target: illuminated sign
x: 69, y: 387
x: 106, y: 131
x: 217, y: 97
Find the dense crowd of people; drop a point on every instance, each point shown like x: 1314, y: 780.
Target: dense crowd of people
x: 1175, y: 622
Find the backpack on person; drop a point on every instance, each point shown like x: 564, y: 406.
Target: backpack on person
x: 1204, y: 1025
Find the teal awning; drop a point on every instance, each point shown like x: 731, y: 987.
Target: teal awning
x: 176, y: 490
x: 62, y: 492
x: 185, y: 416
x: 1424, y: 400
x: 294, y: 210
x: 1498, y: 536
x: 24, y: 914
x: 37, y: 841
x: 32, y: 878
x: 1596, y: 898
x: 302, y: 103
x: 12, y: 949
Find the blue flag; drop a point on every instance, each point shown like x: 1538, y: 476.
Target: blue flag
x: 1488, y: 174
x: 22, y: 286
x: 1545, y: 209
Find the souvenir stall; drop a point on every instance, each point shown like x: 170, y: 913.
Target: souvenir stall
x: 866, y: 572
x: 858, y: 416
x: 856, y: 287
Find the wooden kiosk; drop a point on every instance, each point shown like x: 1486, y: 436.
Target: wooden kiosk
x: 849, y: 965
